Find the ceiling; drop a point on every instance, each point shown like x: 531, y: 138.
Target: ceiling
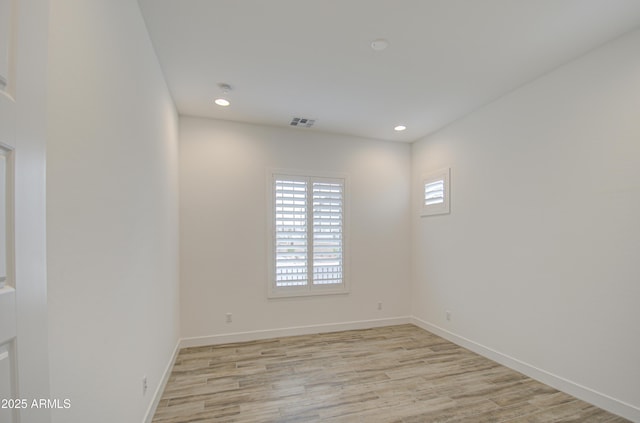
x: 313, y: 59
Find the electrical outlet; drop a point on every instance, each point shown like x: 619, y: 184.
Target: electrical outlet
x: 380, y: 305
x: 448, y: 314
x: 144, y: 385
x: 229, y: 317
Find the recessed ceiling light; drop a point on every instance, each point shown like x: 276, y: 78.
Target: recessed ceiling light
x: 400, y: 128
x: 221, y: 101
x: 379, y: 44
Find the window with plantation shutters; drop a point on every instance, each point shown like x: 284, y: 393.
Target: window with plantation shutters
x: 435, y: 194
x: 307, y: 246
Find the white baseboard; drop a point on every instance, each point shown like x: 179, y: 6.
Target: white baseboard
x: 163, y: 382
x: 292, y: 331
x: 598, y: 399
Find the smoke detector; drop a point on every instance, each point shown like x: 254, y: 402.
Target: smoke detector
x: 379, y: 44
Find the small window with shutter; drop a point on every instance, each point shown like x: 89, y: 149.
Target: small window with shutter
x: 307, y: 243
x: 435, y: 193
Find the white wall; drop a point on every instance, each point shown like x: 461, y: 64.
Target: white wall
x: 223, y: 169
x: 538, y: 259
x: 112, y: 212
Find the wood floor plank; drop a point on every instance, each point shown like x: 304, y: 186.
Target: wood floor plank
x: 395, y: 374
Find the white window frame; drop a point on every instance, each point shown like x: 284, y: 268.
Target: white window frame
x: 310, y: 289
x: 440, y: 175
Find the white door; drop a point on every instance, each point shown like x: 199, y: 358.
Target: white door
x: 8, y: 377
x: 22, y: 45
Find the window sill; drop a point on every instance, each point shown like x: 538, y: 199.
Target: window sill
x: 306, y: 293
x: 7, y: 290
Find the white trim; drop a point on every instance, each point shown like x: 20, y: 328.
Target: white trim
x: 157, y: 395
x: 9, y: 153
x: 584, y: 393
x: 201, y: 341
x: 307, y: 173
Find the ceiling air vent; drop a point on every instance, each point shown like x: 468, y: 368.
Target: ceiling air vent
x: 302, y: 122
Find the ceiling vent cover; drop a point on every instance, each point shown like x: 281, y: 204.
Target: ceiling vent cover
x: 302, y: 122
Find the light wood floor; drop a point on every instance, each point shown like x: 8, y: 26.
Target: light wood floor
x: 391, y: 374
